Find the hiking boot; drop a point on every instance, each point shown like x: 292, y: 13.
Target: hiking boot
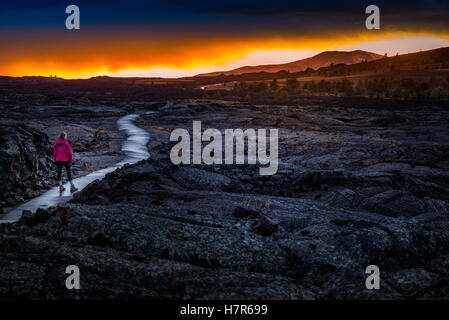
x: 61, y: 188
x: 73, y: 188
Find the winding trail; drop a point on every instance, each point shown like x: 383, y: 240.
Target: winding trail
x: 134, y: 148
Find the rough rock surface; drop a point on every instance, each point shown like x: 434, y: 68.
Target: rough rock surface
x: 25, y: 163
x: 161, y: 239
x: 356, y: 186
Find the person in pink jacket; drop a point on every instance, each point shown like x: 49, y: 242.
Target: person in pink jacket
x: 62, y: 154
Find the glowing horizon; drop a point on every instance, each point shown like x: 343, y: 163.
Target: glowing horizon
x: 174, y: 39
x: 194, y: 61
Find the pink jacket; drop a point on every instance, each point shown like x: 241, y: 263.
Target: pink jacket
x: 62, y: 150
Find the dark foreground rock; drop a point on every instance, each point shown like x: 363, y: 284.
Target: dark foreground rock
x: 25, y: 163
x: 162, y: 239
x: 355, y: 187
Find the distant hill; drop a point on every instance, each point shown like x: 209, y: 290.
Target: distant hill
x: 323, y: 59
x: 433, y: 62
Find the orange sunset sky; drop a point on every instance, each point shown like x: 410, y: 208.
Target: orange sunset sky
x: 201, y: 42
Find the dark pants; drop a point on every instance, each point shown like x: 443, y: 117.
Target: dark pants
x: 66, y: 165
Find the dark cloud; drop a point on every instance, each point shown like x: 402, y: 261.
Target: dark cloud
x: 277, y: 14
x: 285, y: 7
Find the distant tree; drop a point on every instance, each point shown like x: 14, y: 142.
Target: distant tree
x: 218, y: 96
x: 281, y: 96
x: 347, y: 88
x: 397, y: 93
x: 292, y: 85
x: 258, y: 87
x: 205, y: 94
x: 422, y: 91
x: 274, y: 85
x: 311, y: 87
x: 407, y: 83
x: 359, y: 89
x: 324, y: 86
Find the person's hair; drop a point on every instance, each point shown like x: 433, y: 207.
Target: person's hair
x: 63, y: 134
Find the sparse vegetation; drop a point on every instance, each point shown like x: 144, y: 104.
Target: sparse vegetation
x: 384, y: 88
